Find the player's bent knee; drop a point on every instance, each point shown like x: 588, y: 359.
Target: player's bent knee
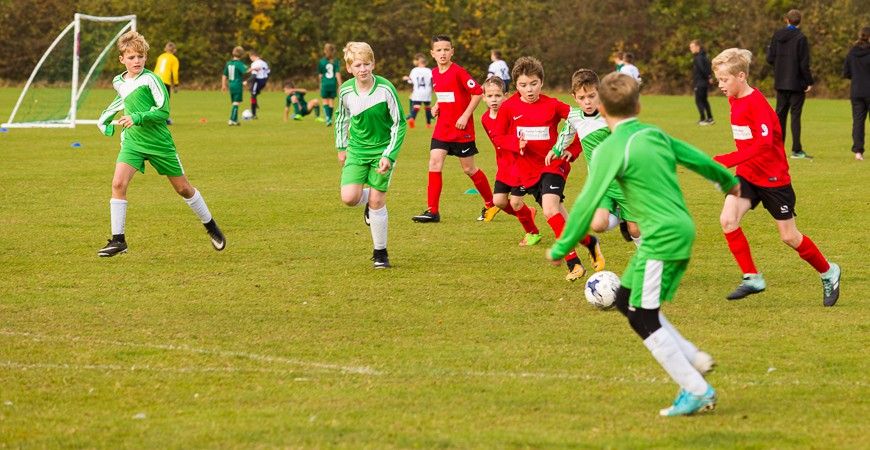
x: 500, y: 200
x: 598, y: 225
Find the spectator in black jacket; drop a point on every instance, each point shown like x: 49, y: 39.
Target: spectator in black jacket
x: 857, y: 69
x: 789, y: 53
x: 701, y: 79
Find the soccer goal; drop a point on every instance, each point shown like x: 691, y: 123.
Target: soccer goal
x: 57, y: 91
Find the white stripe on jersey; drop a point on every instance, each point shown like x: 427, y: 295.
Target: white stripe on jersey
x: 125, y: 87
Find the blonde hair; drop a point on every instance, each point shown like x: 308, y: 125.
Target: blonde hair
x: 620, y: 94
x: 238, y: 51
x: 134, y: 41
x: 358, y: 50
x: 733, y: 61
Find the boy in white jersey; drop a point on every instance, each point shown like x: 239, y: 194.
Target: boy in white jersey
x: 259, y: 76
x: 421, y: 95
x: 143, y: 98
x: 369, y: 130
x: 499, y: 68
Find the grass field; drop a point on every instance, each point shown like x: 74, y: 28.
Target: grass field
x: 288, y: 338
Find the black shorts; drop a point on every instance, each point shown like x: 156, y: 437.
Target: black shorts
x: 168, y: 90
x: 778, y: 201
x: 458, y: 149
x: 549, y: 183
x: 258, y: 85
x: 504, y: 188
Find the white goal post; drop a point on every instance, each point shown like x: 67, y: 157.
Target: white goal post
x: 77, y: 86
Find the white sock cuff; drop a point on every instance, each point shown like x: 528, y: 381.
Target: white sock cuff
x: 364, y: 197
x: 117, y: 201
x: 196, y: 196
x: 612, y: 222
x: 378, y: 212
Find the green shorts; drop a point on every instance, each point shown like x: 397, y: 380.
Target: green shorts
x: 365, y: 171
x: 236, y: 95
x: 652, y: 280
x: 611, y: 204
x: 164, y: 163
x: 328, y: 92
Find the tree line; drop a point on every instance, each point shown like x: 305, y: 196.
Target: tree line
x: 563, y: 34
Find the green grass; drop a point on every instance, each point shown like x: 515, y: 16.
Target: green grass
x: 289, y: 338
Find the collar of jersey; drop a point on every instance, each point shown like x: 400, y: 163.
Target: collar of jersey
x: 371, y: 90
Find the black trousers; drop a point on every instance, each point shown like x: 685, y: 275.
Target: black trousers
x: 702, y: 103
x: 791, y: 101
x: 860, y: 108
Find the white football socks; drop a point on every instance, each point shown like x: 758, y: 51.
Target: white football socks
x: 378, y: 220
x: 364, y: 198
x: 197, y: 204
x: 612, y: 222
x: 686, y: 347
x: 118, y: 212
x: 664, y: 349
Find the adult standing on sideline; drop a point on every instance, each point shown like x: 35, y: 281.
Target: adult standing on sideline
x: 857, y: 69
x: 701, y: 78
x: 167, y: 69
x: 789, y: 53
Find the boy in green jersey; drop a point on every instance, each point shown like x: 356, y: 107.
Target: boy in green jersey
x: 234, y: 76
x: 586, y: 122
x: 296, y: 99
x: 144, y: 102
x: 369, y: 130
x: 643, y: 160
x: 329, y: 74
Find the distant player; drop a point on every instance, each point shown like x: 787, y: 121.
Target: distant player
x: 259, y: 76
x: 144, y: 102
x: 369, y: 131
x: 644, y: 160
x: 167, y: 69
x: 628, y: 66
x: 527, y: 124
x: 234, y: 78
x: 763, y: 173
x: 587, y: 123
x: 506, y: 180
x: 296, y: 99
x: 457, y: 94
x: 329, y: 74
x: 499, y: 68
x: 421, y: 95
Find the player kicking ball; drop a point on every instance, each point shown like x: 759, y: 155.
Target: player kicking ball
x: 369, y: 130
x: 144, y: 101
x: 644, y: 161
x: 763, y: 173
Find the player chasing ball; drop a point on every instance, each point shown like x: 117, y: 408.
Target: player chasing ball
x: 144, y: 101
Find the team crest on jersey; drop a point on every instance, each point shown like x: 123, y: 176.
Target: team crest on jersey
x: 764, y: 130
x: 471, y: 83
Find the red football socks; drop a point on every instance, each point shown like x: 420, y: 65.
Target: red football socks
x: 739, y: 247
x: 526, y: 219
x: 434, y: 191
x: 557, y: 223
x: 482, y: 185
x: 811, y: 254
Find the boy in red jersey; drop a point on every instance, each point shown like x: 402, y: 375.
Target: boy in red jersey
x: 505, y: 179
x: 763, y: 173
x: 457, y: 95
x: 527, y: 124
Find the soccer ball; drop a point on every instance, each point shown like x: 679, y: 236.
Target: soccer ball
x: 247, y: 114
x: 601, y: 289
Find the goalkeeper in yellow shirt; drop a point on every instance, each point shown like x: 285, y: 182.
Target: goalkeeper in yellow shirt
x: 167, y: 69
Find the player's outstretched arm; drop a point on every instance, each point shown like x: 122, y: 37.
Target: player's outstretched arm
x: 568, y: 132
x: 697, y: 161
x: 104, y: 123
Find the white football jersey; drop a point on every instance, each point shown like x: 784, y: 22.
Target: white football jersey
x: 500, y: 69
x: 260, y: 69
x: 421, y: 78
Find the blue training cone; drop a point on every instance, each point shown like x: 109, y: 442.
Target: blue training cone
x: 76, y: 144
x: 3, y: 130
x: 472, y: 191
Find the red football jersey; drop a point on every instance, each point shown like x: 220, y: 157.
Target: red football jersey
x: 504, y: 159
x: 453, y: 90
x: 760, y: 156
x: 539, y: 123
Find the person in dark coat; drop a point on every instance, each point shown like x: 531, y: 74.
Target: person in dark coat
x: 789, y: 53
x: 857, y: 69
x: 701, y: 79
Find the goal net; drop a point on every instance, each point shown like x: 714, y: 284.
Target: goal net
x: 56, y: 94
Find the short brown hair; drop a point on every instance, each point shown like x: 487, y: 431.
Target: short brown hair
x: 170, y: 47
x: 238, y: 51
x: 329, y: 50
x: 696, y: 42
x: 420, y: 56
x: 628, y: 57
x: 620, y: 95
x: 134, y: 41
x: 793, y: 17
x: 584, y: 78
x: 494, y: 81
x: 528, y: 66
x: 496, y: 53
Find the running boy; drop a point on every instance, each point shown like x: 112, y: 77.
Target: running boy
x: 457, y: 94
x: 644, y: 161
x: 259, y: 76
x: 296, y: 99
x: 527, y: 124
x: 369, y: 130
x: 586, y: 123
x: 144, y: 102
x: 329, y: 74
x: 234, y: 72
x: 421, y: 95
x: 763, y: 173
x: 505, y: 178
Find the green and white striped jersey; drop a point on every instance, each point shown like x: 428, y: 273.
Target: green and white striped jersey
x: 146, y: 101
x: 591, y: 130
x: 370, y: 125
